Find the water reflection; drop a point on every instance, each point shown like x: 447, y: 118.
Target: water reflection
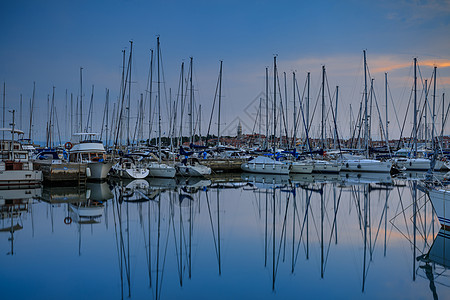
x: 172, y: 238
x: 14, y: 203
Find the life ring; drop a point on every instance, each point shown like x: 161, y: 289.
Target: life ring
x: 95, y: 158
x: 68, y: 145
x: 67, y: 220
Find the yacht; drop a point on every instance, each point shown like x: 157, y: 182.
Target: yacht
x: 93, y: 153
x: 16, y: 168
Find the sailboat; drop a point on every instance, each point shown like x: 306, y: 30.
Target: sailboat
x: 440, y: 198
x: 415, y: 162
x: 360, y: 163
x: 131, y: 167
x: 158, y: 169
x: 191, y: 166
x: 264, y: 164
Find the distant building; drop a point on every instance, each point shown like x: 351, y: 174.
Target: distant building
x: 239, y: 129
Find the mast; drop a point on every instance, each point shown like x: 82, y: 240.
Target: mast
x: 20, y: 112
x: 159, y: 100
x: 71, y: 114
x: 294, y: 137
x: 434, y: 107
x: 415, y: 107
x: 443, y: 118
x: 286, y: 108
x: 150, y: 99
x: 336, y: 114
x: 267, y: 107
x: 4, y: 104
x: 386, y: 99
x: 307, y: 99
x: 425, y: 133
x: 182, y: 104
x: 274, y: 100
x: 129, y: 94
x: 220, y: 96
x: 12, y: 134
x: 31, y: 111
x: 366, y: 116
x: 191, y: 101
x: 322, y: 131
x: 81, y: 100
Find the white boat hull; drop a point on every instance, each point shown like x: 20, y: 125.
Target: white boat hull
x: 323, y: 166
x: 99, y: 170
x: 421, y: 164
x: 265, y: 168
x: 301, y: 167
x: 20, y: 177
x: 440, y: 198
x: 161, y: 170
x: 193, y: 170
x: 366, y: 165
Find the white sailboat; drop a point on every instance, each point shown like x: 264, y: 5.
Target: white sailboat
x: 266, y: 165
x: 302, y: 166
x: 364, y: 164
x: 191, y: 166
x: 440, y: 198
x: 130, y: 168
x: 159, y: 169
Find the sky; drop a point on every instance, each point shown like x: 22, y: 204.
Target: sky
x: 47, y: 42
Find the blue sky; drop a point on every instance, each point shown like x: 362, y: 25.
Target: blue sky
x: 48, y: 41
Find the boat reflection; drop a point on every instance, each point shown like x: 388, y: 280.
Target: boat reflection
x: 266, y: 181
x: 174, y: 231
x: 436, y: 262
x: 13, y: 204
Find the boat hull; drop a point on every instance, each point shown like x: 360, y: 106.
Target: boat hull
x: 99, y: 170
x: 20, y: 177
x: 196, y: 170
x: 440, y: 198
x: 366, y: 165
x: 161, y: 170
x: 301, y: 167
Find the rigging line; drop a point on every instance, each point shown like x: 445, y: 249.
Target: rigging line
x: 401, y: 212
x: 283, y: 232
x: 213, y: 106
x: 308, y: 203
x: 393, y: 105
x: 357, y: 200
x: 303, y: 119
x: 332, y: 230
x: 421, y: 221
x: 379, y: 227
x: 332, y: 113
x: 212, y: 226
x: 404, y: 120
x: 164, y: 259
x: 381, y: 122
x: 281, y: 107
x: 178, y: 254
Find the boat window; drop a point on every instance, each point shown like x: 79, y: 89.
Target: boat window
x: 84, y: 156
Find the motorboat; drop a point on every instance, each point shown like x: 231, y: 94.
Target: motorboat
x: 16, y: 167
x: 93, y: 153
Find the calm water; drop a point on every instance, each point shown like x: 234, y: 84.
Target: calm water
x: 260, y: 237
